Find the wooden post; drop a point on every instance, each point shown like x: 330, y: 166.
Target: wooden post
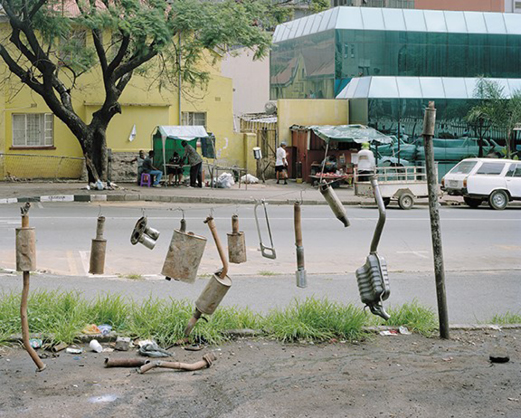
x: 432, y: 184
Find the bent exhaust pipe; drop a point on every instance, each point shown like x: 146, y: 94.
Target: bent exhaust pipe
x: 205, y: 363
x: 334, y: 203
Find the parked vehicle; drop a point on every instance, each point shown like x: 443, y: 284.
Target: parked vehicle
x: 403, y: 184
x: 497, y: 181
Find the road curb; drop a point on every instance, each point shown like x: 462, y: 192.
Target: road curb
x: 90, y: 198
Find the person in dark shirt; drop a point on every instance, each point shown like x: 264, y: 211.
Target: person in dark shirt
x: 196, y: 164
x: 175, y: 170
x: 149, y: 168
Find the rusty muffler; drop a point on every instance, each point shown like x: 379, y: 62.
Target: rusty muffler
x: 217, y: 286
x: 184, y: 255
x: 98, y: 249
x: 236, y: 243
x: 125, y: 362
x: 334, y: 203
x: 205, y: 363
x: 26, y: 262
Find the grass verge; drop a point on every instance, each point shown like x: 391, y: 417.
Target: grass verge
x: 61, y: 316
x: 508, y: 318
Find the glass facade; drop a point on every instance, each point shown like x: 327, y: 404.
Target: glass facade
x: 327, y: 61
x: 320, y: 54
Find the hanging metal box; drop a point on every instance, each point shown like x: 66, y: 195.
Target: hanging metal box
x: 213, y: 294
x: 236, y: 243
x: 373, y: 284
x: 184, y: 256
x: 25, y: 249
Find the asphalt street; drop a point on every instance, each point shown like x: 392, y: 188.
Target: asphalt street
x: 481, y: 251
x: 473, y: 240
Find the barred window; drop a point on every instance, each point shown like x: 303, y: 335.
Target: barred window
x: 194, y: 118
x: 33, y: 130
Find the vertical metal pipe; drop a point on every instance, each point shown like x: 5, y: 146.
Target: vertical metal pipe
x: 100, y: 226
x: 432, y: 184
x: 301, y: 272
x: 25, y: 323
x: 219, y: 246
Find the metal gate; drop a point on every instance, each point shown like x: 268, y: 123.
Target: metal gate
x: 267, y: 142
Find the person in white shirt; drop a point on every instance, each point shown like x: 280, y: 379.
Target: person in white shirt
x: 281, y: 163
x: 366, y: 163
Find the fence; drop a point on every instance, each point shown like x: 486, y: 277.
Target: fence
x: 33, y: 166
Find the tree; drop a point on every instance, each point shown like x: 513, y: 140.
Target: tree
x: 497, y: 110
x: 46, y: 50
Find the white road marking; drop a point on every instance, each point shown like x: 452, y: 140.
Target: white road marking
x: 420, y: 254
x: 72, y: 263
x: 85, y: 260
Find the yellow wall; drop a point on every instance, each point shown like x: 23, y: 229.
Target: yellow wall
x: 142, y: 105
x: 308, y: 112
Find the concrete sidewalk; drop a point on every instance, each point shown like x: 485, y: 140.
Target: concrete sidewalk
x: 14, y: 192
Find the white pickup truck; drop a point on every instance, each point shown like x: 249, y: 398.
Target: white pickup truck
x: 497, y: 181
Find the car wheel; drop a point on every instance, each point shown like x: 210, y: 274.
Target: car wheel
x: 386, y: 200
x: 472, y: 202
x: 498, y: 200
x: 406, y: 201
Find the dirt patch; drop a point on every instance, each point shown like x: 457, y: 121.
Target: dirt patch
x: 384, y: 376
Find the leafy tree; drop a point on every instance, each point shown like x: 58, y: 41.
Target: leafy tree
x: 46, y: 50
x: 497, y: 110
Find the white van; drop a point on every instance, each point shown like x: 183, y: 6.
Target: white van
x: 497, y: 181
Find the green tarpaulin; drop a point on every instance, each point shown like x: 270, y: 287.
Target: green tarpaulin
x: 350, y: 133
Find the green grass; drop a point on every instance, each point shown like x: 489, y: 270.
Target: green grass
x: 508, y: 318
x: 415, y: 317
x: 61, y: 316
x: 266, y: 273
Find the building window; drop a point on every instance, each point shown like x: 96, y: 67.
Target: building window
x: 33, y: 130
x: 194, y: 118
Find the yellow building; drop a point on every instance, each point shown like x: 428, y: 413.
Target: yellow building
x: 36, y: 144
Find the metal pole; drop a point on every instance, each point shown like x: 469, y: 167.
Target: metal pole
x: 432, y: 184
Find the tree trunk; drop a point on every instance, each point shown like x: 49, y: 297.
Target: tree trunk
x: 95, y: 152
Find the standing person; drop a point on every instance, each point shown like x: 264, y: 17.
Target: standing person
x: 281, y: 163
x: 149, y: 168
x: 366, y: 163
x: 196, y: 164
x: 176, y: 170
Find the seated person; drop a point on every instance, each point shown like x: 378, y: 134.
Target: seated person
x: 330, y: 165
x: 177, y: 170
x: 149, y: 168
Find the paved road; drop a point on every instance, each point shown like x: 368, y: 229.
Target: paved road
x: 473, y: 240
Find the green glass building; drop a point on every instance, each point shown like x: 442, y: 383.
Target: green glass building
x: 390, y: 62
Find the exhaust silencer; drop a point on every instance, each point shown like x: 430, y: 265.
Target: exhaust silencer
x: 98, y: 249
x: 217, y: 287
x: 184, y: 255
x: 144, y: 234
x: 236, y: 243
x: 334, y: 203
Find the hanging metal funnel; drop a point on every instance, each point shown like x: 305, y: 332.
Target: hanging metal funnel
x: 184, y: 255
x: 216, y: 288
x: 372, y: 277
x: 236, y: 243
x: 334, y: 203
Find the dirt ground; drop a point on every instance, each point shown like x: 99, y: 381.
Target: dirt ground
x: 383, y: 376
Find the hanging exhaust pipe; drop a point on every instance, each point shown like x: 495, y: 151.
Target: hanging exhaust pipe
x: 98, y: 249
x: 236, y: 243
x: 334, y: 203
x: 26, y: 262
x: 372, y: 277
x: 217, y: 287
x: 301, y: 272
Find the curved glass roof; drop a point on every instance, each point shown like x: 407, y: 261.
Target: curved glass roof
x: 409, y: 20
x: 375, y: 87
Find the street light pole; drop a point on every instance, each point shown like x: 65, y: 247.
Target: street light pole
x: 432, y: 184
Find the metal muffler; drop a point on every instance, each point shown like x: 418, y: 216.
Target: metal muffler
x: 268, y: 252
x: 236, y: 243
x: 144, y: 234
x: 334, y: 203
x: 372, y: 277
x: 217, y: 286
x: 184, y: 255
x: 98, y: 249
x: 301, y: 272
